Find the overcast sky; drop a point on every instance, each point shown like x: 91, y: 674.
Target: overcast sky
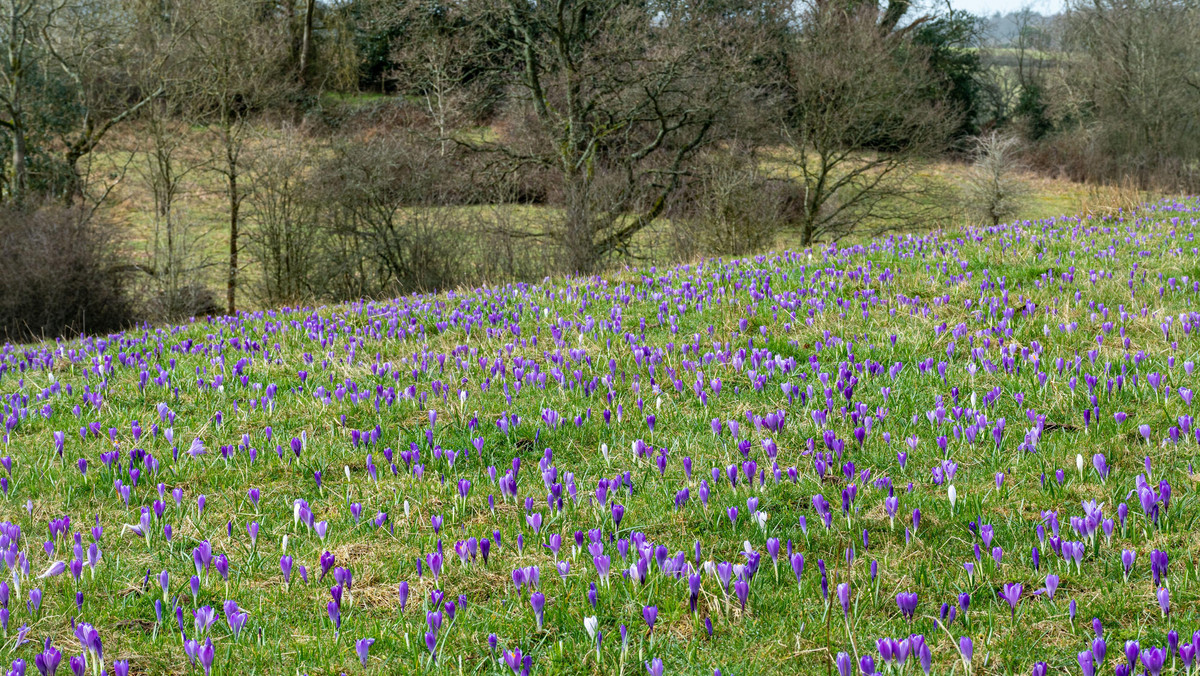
x: 988, y: 7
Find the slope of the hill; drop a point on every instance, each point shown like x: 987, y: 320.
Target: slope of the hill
x: 943, y: 452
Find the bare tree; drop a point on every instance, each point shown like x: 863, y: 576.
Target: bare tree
x: 1034, y: 40
x: 64, y: 85
x: 285, y: 239
x: 860, y: 122
x: 21, y: 24
x: 1135, y: 84
x: 612, y: 100
x: 306, y: 40
x: 992, y: 190
x: 179, y: 260
x: 433, y: 65
x: 98, y: 45
x: 167, y: 163
x: 238, y: 65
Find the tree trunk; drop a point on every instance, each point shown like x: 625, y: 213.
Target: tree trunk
x: 811, y: 209
x: 579, y: 246
x: 234, y: 205
x: 306, y: 39
x: 19, y: 173
x: 74, y: 189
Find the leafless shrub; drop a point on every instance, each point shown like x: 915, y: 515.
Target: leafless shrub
x: 389, y: 231
x: 730, y: 207
x: 285, y: 238
x: 992, y: 190
x: 59, y: 275
x: 189, y: 299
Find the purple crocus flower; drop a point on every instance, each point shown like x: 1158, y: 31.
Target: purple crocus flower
x: 235, y: 618
x: 431, y: 644
x: 57, y: 568
x: 741, y: 588
x: 1158, y: 565
x: 362, y: 646
x: 650, y: 615
x: 1153, y: 659
x: 1051, y: 585
x: 335, y: 614
x: 773, y: 551
x: 843, y: 594
x: 797, y: 560
x: 514, y: 660
x: 907, y: 602
x: 1086, y: 665
x: 925, y: 656
x: 1132, y: 650
x: 1128, y: 557
x: 327, y: 561
x: 1187, y: 654
x: 206, y: 655
x: 538, y: 601
x: 844, y: 664
x: 966, y: 647
x: 618, y: 513
x: 48, y: 660
x: 1012, y: 593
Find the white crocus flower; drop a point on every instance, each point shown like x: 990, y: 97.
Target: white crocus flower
x: 591, y: 624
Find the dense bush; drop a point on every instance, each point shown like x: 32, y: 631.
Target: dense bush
x: 731, y: 207
x: 59, y: 274
x: 388, y: 217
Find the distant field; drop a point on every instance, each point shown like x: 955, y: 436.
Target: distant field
x: 202, y: 205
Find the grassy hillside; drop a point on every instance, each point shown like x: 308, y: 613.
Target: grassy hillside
x: 735, y: 465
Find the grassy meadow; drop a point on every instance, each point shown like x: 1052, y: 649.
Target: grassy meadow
x: 734, y: 465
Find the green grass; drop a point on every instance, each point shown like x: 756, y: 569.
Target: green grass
x: 782, y: 628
